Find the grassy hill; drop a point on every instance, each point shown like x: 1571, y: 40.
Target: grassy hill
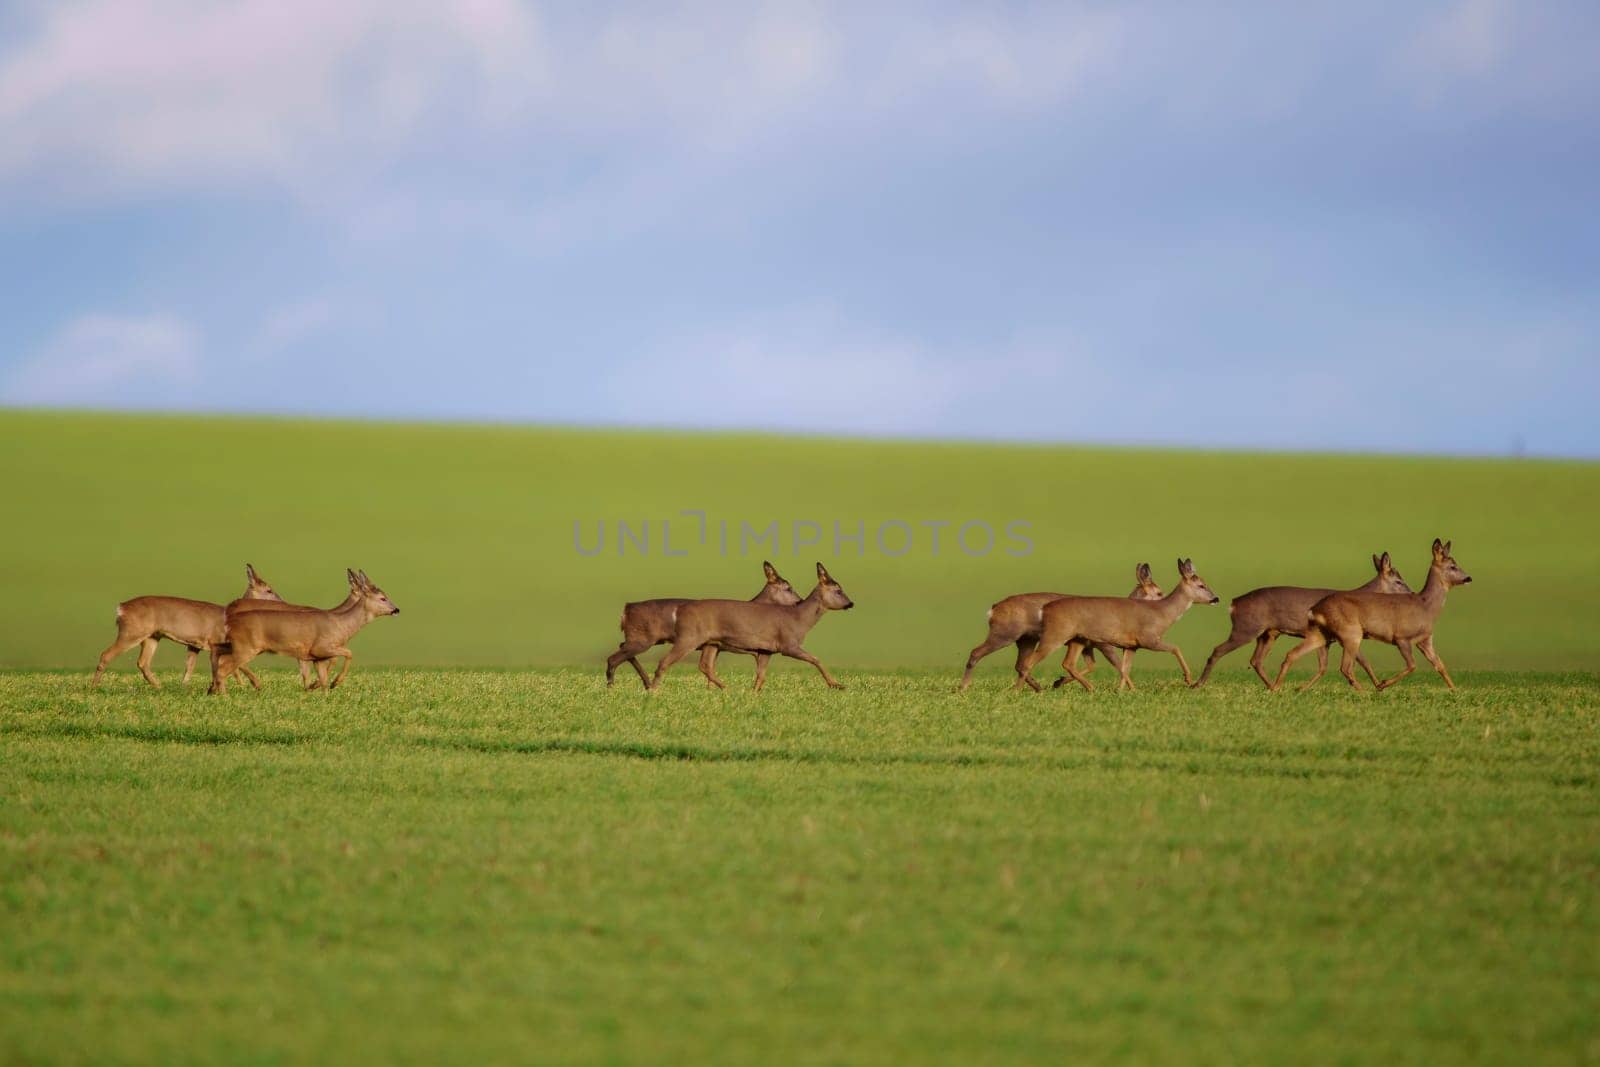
x: 471, y: 530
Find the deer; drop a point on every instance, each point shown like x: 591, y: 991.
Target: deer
x: 315, y: 635
x: 761, y: 630
x: 195, y: 624
x: 1017, y: 618
x: 1117, y: 621
x: 246, y: 604
x: 1262, y: 615
x: 1398, y: 619
x: 646, y: 623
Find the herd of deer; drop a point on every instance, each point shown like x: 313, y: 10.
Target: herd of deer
x: 777, y: 619
x: 237, y: 632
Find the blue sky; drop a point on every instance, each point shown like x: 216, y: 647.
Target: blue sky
x: 1359, y: 226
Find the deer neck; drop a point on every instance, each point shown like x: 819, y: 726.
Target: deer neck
x: 1433, y: 590
x: 349, y: 618
x: 1170, y: 608
x: 809, y: 610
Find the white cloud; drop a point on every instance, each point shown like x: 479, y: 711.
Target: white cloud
x: 108, y: 359
x: 111, y: 96
x: 161, y: 91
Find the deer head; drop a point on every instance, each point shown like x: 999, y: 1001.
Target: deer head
x: 1147, y: 589
x: 832, y: 593
x: 1446, y: 564
x: 1389, y: 580
x: 1194, y: 585
x: 256, y: 587
x: 778, y: 589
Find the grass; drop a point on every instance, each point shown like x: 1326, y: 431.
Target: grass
x: 469, y: 865
x: 466, y: 861
x: 470, y: 529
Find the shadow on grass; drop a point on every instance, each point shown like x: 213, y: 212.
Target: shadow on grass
x: 166, y: 734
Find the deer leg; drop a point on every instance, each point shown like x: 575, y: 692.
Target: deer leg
x: 628, y: 651
x: 147, y: 652
x: 679, y: 649
x: 1237, y: 638
x: 1162, y: 646
x: 1426, y: 645
x: 1411, y: 664
x: 1110, y: 652
x: 1025, y: 665
x: 188, y: 664
x: 1124, y: 681
x: 801, y: 654
x: 708, y: 667
x: 1347, y: 660
x: 1313, y: 640
x: 216, y: 659
x: 255, y: 683
x: 230, y: 661
x: 344, y: 668
x: 113, y: 650
x: 1070, y: 664
x: 1258, y: 658
x: 1361, y: 660
x: 305, y: 674
x: 993, y: 643
x: 322, y: 676
x: 762, y: 659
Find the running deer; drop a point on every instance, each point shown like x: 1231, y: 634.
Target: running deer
x: 1401, y: 620
x: 761, y: 630
x: 646, y: 623
x: 246, y: 604
x: 1116, y: 621
x: 1017, y: 619
x: 195, y: 624
x: 1261, y: 615
x: 315, y: 635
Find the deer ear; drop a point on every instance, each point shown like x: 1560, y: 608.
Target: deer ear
x: 1385, y: 563
x: 350, y: 575
x: 822, y: 574
x: 1447, y: 545
x: 771, y: 571
x: 1142, y: 572
x: 250, y: 572
x: 1376, y: 562
x: 1438, y: 548
x: 365, y: 581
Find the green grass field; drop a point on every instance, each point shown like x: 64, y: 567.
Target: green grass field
x: 464, y: 865
x: 470, y: 529
x: 457, y: 858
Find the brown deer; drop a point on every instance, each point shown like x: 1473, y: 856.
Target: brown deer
x: 761, y: 630
x: 316, y: 635
x: 646, y: 623
x: 1401, y: 620
x: 246, y: 604
x: 1261, y: 615
x: 1117, y: 621
x: 1017, y: 619
x: 195, y: 624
